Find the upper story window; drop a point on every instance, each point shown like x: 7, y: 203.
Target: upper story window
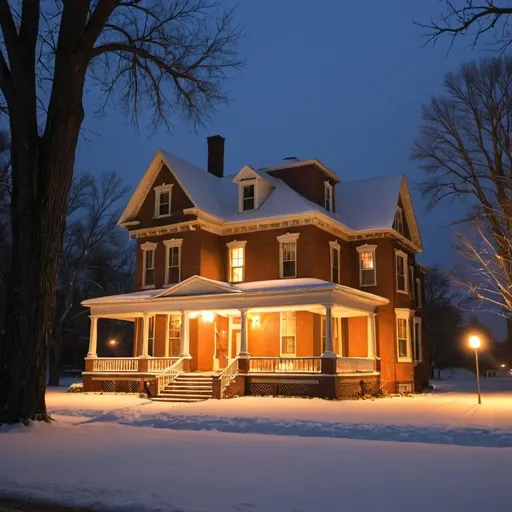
x: 367, y: 265
x: 163, y: 200
x: 401, y: 271
x: 398, y: 223
x: 419, y: 294
x: 403, y: 335
x: 335, y: 262
x: 328, y: 202
x: 236, y: 261
x: 288, y: 255
x: 173, y: 260
x: 148, y: 264
x: 411, y: 281
x: 247, y: 195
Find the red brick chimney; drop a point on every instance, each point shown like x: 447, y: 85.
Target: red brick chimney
x: 216, y: 155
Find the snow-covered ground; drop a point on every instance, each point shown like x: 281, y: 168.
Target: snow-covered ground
x: 118, y: 452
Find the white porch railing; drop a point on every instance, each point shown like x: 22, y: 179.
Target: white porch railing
x: 355, y: 365
x: 285, y: 364
x: 115, y: 364
x: 228, y: 374
x: 160, y: 364
x: 169, y: 375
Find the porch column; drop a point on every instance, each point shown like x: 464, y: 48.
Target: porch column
x: 145, y: 335
x: 372, y: 336
x: 93, y: 337
x: 185, y: 337
x: 244, y: 351
x: 328, y: 332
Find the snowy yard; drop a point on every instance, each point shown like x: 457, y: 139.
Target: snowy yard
x: 116, y: 452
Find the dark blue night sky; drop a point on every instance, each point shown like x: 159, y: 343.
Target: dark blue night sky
x: 331, y: 80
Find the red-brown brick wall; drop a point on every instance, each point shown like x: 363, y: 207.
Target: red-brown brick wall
x: 358, y: 337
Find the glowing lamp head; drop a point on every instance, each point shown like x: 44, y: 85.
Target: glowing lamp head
x: 503, y: 365
x: 207, y: 316
x: 112, y: 342
x: 474, y: 342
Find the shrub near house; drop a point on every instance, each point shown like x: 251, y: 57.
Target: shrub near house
x: 276, y: 280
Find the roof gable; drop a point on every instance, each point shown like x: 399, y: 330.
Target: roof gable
x: 198, y: 285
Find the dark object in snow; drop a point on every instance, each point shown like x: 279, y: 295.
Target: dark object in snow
x: 147, y: 390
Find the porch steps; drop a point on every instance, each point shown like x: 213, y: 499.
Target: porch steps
x: 188, y: 387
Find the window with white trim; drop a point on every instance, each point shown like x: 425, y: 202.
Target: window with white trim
x: 151, y: 336
x: 163, y: 200
x: 247, y: 196
x: 403, y: 335
x: 148, y: 264
x: 417, y: 339
x: 288, y: 255
x: 367, y: 265
x: 411, y: 281
x: 288, y: 333
x: 173, y: 260
x: 174, y: 335
x: 401, y: 271
x: 419, y: 296
x: 335, y: 262
x: 398, y: 223
x: 236, y: 261
x: 328, y: 203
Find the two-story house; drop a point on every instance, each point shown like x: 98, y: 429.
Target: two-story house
x: 282, y: 280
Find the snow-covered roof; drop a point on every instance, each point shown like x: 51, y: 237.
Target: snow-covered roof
x: 364, y: 205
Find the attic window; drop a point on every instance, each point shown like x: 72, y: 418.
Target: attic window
x: 247, y: 196
x: 328, y: 196
x: 398, y: 223
x: 163, y: 201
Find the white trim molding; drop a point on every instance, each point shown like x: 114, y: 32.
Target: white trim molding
x: 236, y: 244
x: 241, y: 187
x: 367, y: 248
x: 328, y: 196
x: 169, y: 244
x: 403, y: 255
x: 403, y: 315
x: 159, y: 190
x: 148, y: 247
x: 288, y: 238
x: 335, y: 246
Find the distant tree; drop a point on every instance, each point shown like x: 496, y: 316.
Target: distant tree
x: 166, y: 58
x: 465, y: 148
x: 467, y: 17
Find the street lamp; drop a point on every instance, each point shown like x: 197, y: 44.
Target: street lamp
x: 474, y: 342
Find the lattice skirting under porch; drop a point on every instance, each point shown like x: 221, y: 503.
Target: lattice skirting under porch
x: 279, y: 389
x: 113, y: 386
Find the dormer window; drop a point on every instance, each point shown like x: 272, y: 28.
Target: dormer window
x: 248, y: 197
x: 163, y: 201
x: 328, y: 196
x: 398, y: 223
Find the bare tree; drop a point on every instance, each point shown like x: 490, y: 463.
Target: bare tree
x: 467, y: 17
x: 166, y: 57
x: 92, y: 240
x: 465, y: 146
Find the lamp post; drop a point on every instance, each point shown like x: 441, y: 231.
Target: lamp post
x: 474, y: 342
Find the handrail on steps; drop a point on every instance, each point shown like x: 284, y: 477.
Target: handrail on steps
x: 228, y: 374
x: 166, y: 377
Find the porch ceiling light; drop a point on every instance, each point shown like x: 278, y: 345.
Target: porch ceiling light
x: 207, y: 316
x: 112, y: 342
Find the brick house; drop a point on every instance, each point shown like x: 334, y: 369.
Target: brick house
x: 283, y: 280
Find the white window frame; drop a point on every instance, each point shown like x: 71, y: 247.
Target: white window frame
x: 402, y: 254
x: 364, y: 249
x: 411, y: 282
x: 419, y: 294
x: 398, y: 221
x: 158, y: 192
x: 241, y: 186
x: 335, y: 246
x: 328, y: 197
x: 173, y: 242
x: 403, y: 314
x: 148, y: 247
x: 284, y: 239
x: 294, y: 354
x: 169, y: 337
x: 418, y: 358
x: 151, y: 335
x: 236, y: 244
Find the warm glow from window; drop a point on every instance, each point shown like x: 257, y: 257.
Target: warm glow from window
x: 237, y: 264
x: 367, y: 262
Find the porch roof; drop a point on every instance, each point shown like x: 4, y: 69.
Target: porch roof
x: 200, y: 293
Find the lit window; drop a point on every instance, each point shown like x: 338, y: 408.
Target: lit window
x: 335, y: 262
x: 248, y: 197
x: 151, y: 336
x: 398, y: 223
x: 401, y: 271
x: 173, y: 260
x: 163, y: 200
x: 288, y: 329
x: 328, y: 196
x: 288, y: 255
x: 174, y: 335
x: 148, y: 267
x: 367, y: 265
x: 417, y: 340
x: 236, y: 261
x: 403, y: 335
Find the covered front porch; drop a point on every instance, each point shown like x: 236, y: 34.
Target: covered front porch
x: 246, y: 336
